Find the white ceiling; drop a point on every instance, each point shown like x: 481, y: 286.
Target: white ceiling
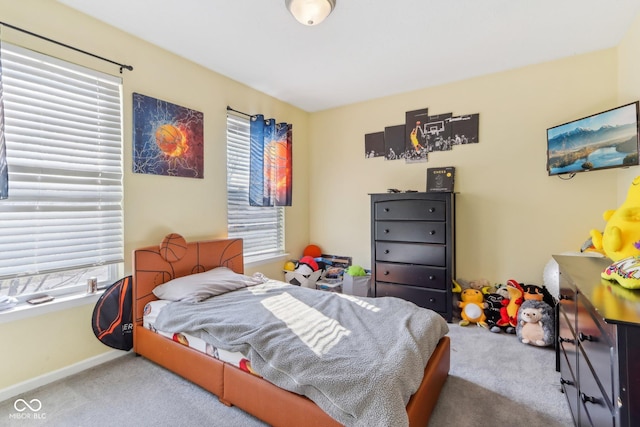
x: 367, y: 49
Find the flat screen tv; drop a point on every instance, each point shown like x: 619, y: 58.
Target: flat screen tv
x: 601, y: 141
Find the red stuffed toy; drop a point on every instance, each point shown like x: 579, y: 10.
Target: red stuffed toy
x: 509, y: 311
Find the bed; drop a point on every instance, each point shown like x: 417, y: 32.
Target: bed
x: 175, y: 258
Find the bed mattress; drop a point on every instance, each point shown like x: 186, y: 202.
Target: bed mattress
x: 237, y: 359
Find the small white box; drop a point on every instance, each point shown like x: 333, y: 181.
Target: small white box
x: 330, y: 285
x: 357, y: 285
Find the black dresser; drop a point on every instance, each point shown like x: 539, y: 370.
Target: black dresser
x: 598, y: 351
x: 413, y: 248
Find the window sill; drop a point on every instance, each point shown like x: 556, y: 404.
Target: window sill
x: 257, y: 261
x: 25, y: 310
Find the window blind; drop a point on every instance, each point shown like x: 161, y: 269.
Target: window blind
x: 262, y: 229
x: 63, y: 130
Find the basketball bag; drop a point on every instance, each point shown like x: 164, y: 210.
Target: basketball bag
x: 112, y: 319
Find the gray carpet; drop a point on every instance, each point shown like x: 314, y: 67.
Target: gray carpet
x: 494, y: 381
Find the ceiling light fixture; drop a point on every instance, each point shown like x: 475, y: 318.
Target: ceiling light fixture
x: 310, y: 12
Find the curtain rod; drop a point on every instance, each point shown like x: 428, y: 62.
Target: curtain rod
x: 240, y: 112
x: 122, y: 66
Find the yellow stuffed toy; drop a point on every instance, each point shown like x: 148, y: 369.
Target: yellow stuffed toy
x: 621, y: 237
x: 472, y: 306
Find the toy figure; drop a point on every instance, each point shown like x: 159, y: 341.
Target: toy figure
x: 621, y: 236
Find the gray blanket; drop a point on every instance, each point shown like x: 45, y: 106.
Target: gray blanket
x: 359, y: 359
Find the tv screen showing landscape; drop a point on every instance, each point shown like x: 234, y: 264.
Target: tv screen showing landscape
x: 601, y: 141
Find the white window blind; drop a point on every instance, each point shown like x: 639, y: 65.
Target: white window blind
x: 262, y: 229
x: 63, y: 131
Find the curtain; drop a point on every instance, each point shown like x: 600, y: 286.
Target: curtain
x: 270, y: 174
x: 4, y: 172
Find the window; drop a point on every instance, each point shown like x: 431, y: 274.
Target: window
x: 62, y: 222
x: 261, y: 228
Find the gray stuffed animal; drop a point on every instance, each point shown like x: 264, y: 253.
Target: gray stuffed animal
x: 535, y: 323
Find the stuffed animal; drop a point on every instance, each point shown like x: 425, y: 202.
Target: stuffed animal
x: 538, y: 293
x: 460, y: 285
x: 472, y: 305
x: 509, y: 313
x: 621, y: 236
x: 495, y: 310
x: 535, y: 323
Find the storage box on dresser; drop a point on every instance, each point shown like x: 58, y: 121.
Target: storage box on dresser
x: 413, y: 248
x: 598, y: 344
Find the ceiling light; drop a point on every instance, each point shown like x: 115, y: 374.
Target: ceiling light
x: 310, y: 12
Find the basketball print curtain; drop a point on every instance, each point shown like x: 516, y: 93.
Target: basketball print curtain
x: 270, y: 172
x: 4, y: 172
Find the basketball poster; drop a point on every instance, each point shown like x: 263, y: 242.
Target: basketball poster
x: 415, y: 149
x: 167, y: 139
x: 464, y: 129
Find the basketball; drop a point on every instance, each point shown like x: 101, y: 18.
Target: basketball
x: 171, y: 140
x: 173, y: 247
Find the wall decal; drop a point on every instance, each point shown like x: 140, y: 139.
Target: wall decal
x: 416, y: 136
x: 439, y: 132
x: 422, y: 134
x: 394, y: 142
x: 374, y: 144
x: 464, y: 129
x: 167, y: 139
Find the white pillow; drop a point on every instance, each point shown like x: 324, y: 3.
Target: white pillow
x: 200, y: 286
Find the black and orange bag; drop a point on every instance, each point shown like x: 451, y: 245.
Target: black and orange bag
x: 112, y: 319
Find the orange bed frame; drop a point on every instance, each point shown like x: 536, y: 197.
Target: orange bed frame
x: 260, y: 398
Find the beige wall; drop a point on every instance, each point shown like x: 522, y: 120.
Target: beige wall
x: 628, y: 91
x: 511, y: 215
x: 153, y: 205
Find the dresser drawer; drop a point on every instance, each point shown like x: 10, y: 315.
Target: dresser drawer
x: 598, y: 348
x: 567, y: 343
x: 414, y: 275
x: 425, y: 210
x: 568, y: 382
x: 418, y: 231
x: 411, y: 253
x: 427, y: 298
x: 595, y: 407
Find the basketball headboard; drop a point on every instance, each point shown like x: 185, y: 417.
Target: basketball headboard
x: 174, y: 257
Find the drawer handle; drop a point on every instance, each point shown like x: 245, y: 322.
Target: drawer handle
x: 432, y: 210
x: 432, y: 277
x: 432, y: 232
x: 584, y: 337
x: 386, y: 251
x: 386, y: 273
x: 432, y: 300
x: 569, y: 340
x: 567, y: 382
x: 386, y: 209
x: 386, y: 230
x: 589, y: 399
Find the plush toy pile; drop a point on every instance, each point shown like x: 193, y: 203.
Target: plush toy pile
x: 515, y: 308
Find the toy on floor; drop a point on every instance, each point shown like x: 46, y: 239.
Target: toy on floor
x: 509, y: 313
x: 460, y: 285
x: 621, y: 236
x: 538, y: 293
x: 496, y: 298
x: 535, y: 323
x: 472, y: 306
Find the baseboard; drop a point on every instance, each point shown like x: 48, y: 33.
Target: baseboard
x: 26, y: 386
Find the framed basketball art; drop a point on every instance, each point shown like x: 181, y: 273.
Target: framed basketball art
x: 167, y: 138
